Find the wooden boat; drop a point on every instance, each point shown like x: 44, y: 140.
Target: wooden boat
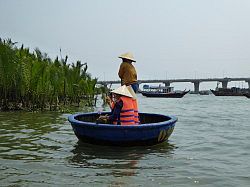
x: 234, y: 91
x: 162, y: 91
x: 247, y: 95
x: 154, y: 129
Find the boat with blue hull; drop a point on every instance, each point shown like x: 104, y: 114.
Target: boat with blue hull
x: 154, y: 129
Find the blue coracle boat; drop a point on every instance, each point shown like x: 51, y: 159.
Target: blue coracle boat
x: 154, y: 129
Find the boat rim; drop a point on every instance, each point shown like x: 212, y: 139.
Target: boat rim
x: 169, y: 122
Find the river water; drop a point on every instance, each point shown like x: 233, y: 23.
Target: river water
x: 210, y: 146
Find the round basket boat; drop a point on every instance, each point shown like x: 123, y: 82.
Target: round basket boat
x: 154, y: 129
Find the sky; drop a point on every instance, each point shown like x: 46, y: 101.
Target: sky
x: 169, y: 38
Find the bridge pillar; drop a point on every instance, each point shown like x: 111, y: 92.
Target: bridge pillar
x: 224, y: 84
x: 196, y: 87
x: 167, y: 83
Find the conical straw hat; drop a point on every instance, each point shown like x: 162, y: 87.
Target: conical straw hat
x: 123, y: 90
x: 128, y: 56
x: 130, y: 89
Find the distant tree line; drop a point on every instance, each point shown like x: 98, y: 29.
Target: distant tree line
x: 33, y: 81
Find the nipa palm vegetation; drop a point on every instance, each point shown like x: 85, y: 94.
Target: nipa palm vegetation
x: 33, y: 81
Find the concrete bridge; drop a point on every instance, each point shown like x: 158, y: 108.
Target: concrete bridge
x: 196, y: 82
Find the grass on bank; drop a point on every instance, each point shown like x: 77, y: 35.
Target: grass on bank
x: 33, y: 81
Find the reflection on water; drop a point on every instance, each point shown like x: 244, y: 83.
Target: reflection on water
x: 116, y: 161
x: 40, y: 149
x: 24, y: 136
x: 31, y: 145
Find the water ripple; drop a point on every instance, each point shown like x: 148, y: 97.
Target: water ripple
x: 209, y: 147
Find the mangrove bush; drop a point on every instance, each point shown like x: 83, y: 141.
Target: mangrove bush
x: 33, y: 81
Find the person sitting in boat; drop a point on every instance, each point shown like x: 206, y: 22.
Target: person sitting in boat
x: 111, y: 103
x: 135, y: 105
x: 123, y: 111
x: 127, y: 71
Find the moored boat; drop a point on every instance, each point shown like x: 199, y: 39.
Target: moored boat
x: 162, y: 91
x: 154, y: 129
x: 234, y: 91
x: 247, y: 95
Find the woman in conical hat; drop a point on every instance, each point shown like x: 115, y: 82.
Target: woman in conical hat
x: 127, y: 71
x: 123, y: 90
x: 123, y: 111
x: 135, y: 104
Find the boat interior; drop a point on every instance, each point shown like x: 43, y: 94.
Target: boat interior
x: 145, y: 118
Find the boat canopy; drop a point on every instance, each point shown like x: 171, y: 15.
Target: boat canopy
x: 160, y: 88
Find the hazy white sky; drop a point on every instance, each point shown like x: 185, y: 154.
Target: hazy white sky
x: 169, y: 38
